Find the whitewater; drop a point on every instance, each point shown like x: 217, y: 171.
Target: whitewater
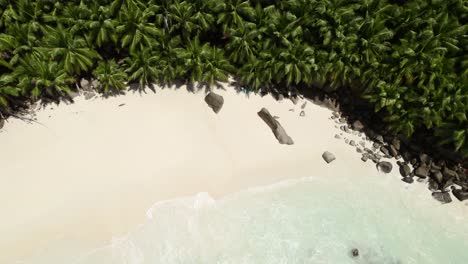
x: 310, y: 220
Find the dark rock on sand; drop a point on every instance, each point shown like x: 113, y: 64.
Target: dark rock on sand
x: 328, y: 156
x: 2, y: 123
x: 355, y: 252
x: 276, y: 127
x: 438, y: 176
x: 376, y: 145
x: 421, y: 171
x: 408, y: 179
x: 385, y: 150
x: 304, y: 105
x: 443, y: 197
x: 396, y: 143
x: 393, y: 151
x: 446, y: 184
x: 215, y: 101
x: 450, y: 173
x: 302, y: 113
x: 433, y: 185
x: 405, y: 170
x: 337, y: 136
x: 352, y: 143
x: 379, y: 139
x: 460, y: 194
x: 384, y: 166
x: 357, y: 125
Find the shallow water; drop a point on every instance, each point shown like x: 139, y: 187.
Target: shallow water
x: 301, y: 221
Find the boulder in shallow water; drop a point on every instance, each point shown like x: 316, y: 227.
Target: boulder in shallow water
x: 275, y: 126
x: 215, y: 101
x: 443, y: 197
x: 328, y: 156
x: 460, y: 194
x: 384, y: 166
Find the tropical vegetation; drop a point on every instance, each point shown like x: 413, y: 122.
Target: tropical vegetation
x: 407, y: 58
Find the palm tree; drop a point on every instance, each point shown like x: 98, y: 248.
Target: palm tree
x: 233, y: 13
x: 72, y: 51
x: 39, y: 76
x: 242, y: 43
x: 101, y: 27
x: 135, y: 28
x: 17, y: 41
x: 296, y: 65
x: 142, y: 67
x: 110, y: 76
x: 8, y: 90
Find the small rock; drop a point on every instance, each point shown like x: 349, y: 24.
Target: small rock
x: 337, y: 136
x: 384, y: 166
x: 376, y: 145
x: 460, y: 194
x: 88, y: 95
x: 385, y: 150
x: 359, y: 150
x: 438, y: 176
x: 85, y: 84
x: 215, y: 101
x: 357, y: 125
x: 364, y: 158
x: 342, y: 120
x: 379, y: 139
x: 336, y: 114
x: 276, y: 117
x: 347, y: 141
x: 433, y: 185
x: 405, y: 170
x: 355, y: 252
x: 396, y: 143
x: 2, y: 123
x: 408, y: 179
x: 393, y: 151
x: 443, y: 197
x: 120, y: 105
x: 421, y: 171
x: 328, y: 156
x: 352, y: 143
x: 450, y: 173
x: 424, y: 158
x: 447, y: 184
x: 291, y: 110
x: 294, y: 99
x: 302, y: 113
x: 304, y: 105
x: 362, y: 143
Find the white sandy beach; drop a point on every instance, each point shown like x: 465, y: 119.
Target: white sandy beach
x: 89, y: 171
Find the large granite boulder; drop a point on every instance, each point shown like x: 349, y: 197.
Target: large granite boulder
x: 215, y: 101
x: 275, y: 126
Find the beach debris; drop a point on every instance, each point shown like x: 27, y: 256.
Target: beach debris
x: 460, y: 194
x: 408, y: 179
x: 302, y: 113
x: 215, y: 101
x: 358, y: 126
x: 384, y: 166
x: 328, y: 156
x: 120, y: 105
x: 355, y: 252
x: 422, y: 171
x: 276, y: 127
x: 405, y: 170
x: 443, y: 197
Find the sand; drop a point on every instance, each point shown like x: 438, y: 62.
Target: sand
x: 88, y: 171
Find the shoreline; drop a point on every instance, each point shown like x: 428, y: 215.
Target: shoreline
x: 117, y: 160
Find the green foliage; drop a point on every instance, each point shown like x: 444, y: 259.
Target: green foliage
x: 110, y: 76
x: 407, y: 58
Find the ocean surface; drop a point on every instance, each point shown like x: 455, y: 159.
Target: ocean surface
x: 298, y: 221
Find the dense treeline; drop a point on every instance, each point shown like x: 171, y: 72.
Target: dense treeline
x: 408, y: 58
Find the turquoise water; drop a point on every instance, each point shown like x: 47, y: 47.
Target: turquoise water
x: 303, y: 221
